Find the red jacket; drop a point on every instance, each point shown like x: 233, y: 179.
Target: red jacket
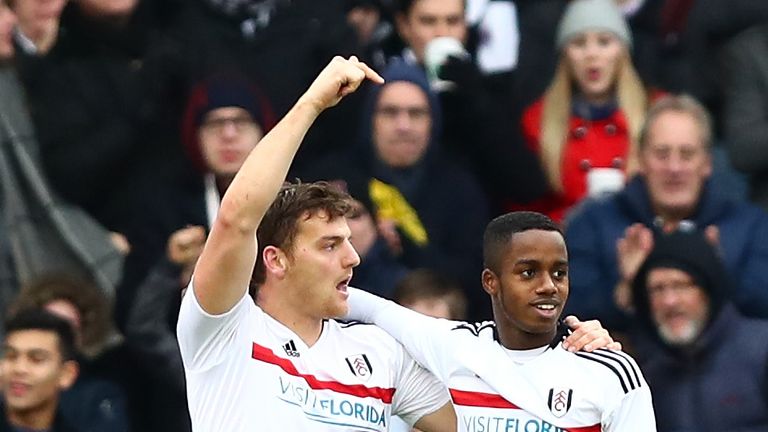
x: 591, y: 144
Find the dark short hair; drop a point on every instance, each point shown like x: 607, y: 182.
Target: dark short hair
x: 425, y: 284
x: 294, y: 203
x: 40, y: 319
x: 404, y: 6
x: 499, y: 233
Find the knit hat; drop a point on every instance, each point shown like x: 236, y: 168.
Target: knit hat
x: 584, y: 15
x: 690, y: 252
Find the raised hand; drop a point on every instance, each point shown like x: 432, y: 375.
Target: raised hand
x: 339, y: 78
x: 633, y: 249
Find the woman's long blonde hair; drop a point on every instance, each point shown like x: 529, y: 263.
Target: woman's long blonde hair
x: 632, y: 101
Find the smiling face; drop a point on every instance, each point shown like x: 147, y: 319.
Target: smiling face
x: 675, y: 163
x: 319, y: 266
x: 529, y: 289
x: 594, y: 59
x: 34, y: 371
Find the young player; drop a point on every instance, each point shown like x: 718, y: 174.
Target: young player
x: 516, y: 374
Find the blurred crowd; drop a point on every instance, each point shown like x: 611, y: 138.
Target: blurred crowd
x: 641, y: 126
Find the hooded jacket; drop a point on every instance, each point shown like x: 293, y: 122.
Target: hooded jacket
x: 719, y: 381
x: 596, y: 225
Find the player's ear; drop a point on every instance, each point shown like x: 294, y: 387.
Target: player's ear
x: 490, y: 281
x: 275, y: 261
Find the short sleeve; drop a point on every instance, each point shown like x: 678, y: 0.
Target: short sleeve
x: 418, y: 392
x: 204, y: 339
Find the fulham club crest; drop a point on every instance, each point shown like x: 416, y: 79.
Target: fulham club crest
x: 559, y: 401
x: 360, y: 366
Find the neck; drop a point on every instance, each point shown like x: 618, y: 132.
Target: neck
x: 277, y: 302
x: 43, y: 36
x: 511, y: 336
x: 223, y: 182
x: 40, y: 417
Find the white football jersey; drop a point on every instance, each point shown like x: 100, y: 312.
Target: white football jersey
x: 246, y: 371
x: 494, y: 389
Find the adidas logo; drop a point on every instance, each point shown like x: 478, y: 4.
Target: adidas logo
x: 290, y: 349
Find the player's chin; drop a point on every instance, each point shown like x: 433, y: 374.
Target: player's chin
x: 339, y: 309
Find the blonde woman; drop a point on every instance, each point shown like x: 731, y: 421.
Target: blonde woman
x: 589, y: 117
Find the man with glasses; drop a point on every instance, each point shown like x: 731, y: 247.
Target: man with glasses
x: 609, y: 237
x: 705, y: 362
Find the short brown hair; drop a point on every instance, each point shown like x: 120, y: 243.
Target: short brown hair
x: 95, y: 310
x: 294, y: 203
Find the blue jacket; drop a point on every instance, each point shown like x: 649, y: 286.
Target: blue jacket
x: 594, y: 228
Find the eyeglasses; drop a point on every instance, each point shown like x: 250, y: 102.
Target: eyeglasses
x: 216, y: 125
x: 675, y: 287
x: 414, y: 113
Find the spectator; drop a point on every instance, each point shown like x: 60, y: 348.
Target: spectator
x: 746, y: 108
x: 590, y: 116
x: 97, y: 401
x: 38, y: 363
x: 699, y: 354
x: 433, y: 294
x: 102, y: 118
x: 476, y: 105
x: 39, y: 233
x: 417, y: 194
x: 38, y: 27
x: 610, y: 237
x: 682, y: 55
x: 224, y: 119
x: 254, y: 37
x: 371, y: 24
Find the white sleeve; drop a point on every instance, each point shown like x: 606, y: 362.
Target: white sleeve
x: 429, y: 340
x: 418, y: 392
x: 633, y: 412
x: 205, y: 339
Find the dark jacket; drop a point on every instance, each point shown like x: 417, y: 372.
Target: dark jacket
x: 596, y: 225
x: 745, y: 62
x: 59, y: 424
x: 101, y: 116
x: 40, y: 233
x: 719, y: 382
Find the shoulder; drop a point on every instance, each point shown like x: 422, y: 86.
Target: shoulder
x: 613, y: 369
x: 356, y: 330
x: 480, y: 330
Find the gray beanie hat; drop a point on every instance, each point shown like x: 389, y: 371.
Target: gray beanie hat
x: 584, y: 15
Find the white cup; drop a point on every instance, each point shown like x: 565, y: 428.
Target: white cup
x: 436, y: 53
x: 601, y: 181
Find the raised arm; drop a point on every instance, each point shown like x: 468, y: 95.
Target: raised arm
x: 224, y: 269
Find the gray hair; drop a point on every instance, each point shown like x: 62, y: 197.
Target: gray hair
x: 681, y: 103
